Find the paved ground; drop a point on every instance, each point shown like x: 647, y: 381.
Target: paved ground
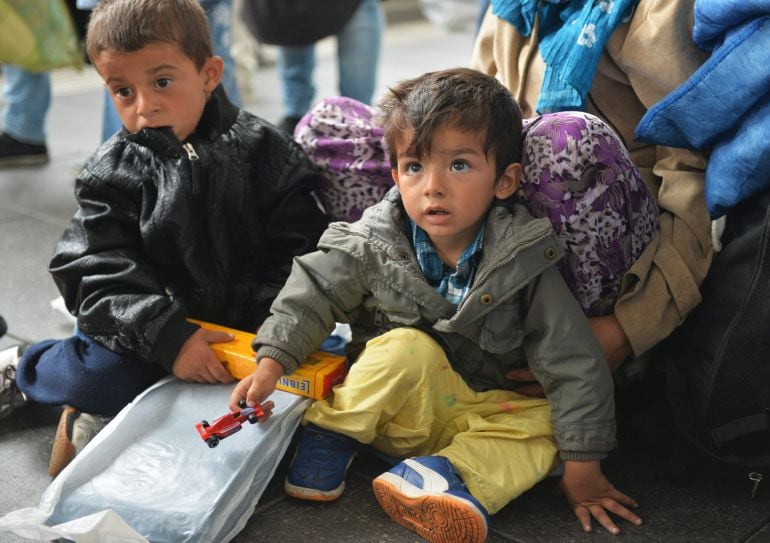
x: 34, y: 207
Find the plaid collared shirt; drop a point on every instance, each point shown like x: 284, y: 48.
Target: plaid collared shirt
x: 451, y: 284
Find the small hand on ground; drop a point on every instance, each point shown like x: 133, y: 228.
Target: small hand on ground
x: 591, y: 495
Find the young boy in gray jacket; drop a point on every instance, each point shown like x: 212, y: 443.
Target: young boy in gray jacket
x: 447, y: 286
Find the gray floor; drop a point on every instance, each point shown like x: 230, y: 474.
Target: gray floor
x: 34, y: 207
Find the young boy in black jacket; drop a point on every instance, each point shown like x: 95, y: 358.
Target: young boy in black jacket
x: 194, y: 209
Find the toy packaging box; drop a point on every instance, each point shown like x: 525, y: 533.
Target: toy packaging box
x: 314, y: 378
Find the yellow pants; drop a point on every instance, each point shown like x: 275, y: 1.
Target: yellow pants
x: 403, y: 398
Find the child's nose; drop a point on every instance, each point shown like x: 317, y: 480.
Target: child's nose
x: 434, y: 184
x: 145, y: 105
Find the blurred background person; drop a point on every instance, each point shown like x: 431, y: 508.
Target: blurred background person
x: 357, y: 26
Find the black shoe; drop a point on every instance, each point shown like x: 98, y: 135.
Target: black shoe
x: 17, y: 153
x: 287, y: 124
x: 11, y: 398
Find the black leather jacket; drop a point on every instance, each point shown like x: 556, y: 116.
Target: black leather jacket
x: 166, y: 230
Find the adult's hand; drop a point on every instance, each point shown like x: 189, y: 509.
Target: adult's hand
x: 611, y: 338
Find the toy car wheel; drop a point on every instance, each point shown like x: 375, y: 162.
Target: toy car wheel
x: 212, y: 442
x: 204, y: 424
x: 253, y: 419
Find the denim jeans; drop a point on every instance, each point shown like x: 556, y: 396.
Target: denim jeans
x: 219, y: 14
x: 27, y: 96
x: 358, y: 48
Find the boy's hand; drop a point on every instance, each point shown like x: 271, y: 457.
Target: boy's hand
x: 529, y: 385
x: 254, y: 388
x: 196, y: 361
x: 590, y: 494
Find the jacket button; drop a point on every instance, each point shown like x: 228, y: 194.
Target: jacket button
x: 550, y: 253
x: 486, y: 299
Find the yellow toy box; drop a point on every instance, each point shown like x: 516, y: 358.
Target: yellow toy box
x: 314, y: 378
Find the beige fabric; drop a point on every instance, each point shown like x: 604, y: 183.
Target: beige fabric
x: 643, y: 61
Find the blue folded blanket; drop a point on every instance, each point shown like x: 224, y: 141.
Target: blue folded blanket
x: 724, y: 106
x: 717, y: 95
x: 714, y: 17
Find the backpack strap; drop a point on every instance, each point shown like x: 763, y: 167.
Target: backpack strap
x: 741, y: 427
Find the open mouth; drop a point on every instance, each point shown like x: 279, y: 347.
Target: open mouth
x: 438, y: 212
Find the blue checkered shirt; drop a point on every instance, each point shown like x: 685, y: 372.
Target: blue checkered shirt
x: 451, y: 284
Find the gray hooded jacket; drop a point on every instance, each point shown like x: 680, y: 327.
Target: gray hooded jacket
x: 518, y: 312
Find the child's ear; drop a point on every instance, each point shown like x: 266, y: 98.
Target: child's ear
x: 212, y: 72
x: 394, y: 175
x: 508, y: 182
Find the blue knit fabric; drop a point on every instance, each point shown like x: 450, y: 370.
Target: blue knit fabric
x: 572, y: 37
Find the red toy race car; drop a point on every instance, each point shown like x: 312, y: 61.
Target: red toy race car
x: 227, y: 425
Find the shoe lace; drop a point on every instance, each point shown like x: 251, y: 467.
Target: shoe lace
x: 10, y: 395
x: 325, y: 451
x: 9, y: 378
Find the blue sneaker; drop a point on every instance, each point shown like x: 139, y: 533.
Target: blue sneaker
x: 427, y: 495
x: 320, y: 464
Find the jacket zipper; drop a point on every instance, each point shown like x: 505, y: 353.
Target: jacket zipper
x: 216, y: 290
x: 194, y: 157
x: 481, y: 278
x: 191, y: 153
x: 378, y: 315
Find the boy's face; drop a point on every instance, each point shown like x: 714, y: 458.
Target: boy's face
x: 448, y: 192
x: 158, y: 85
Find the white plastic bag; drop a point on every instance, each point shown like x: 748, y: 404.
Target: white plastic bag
x: 148, y: 476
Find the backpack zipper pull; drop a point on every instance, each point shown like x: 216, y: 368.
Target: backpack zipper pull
x: 757, y: 478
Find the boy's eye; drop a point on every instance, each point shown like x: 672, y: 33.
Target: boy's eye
x: 123, y: 92
x: 413, y: 167
x: 163, y: 82
x: 459, y: 165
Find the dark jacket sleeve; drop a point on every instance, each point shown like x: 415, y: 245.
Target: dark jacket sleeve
x: 294, y: 218
x: 98, y: 266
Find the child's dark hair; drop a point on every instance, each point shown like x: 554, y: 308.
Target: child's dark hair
x: 457, y: 97
x: 129, y: 25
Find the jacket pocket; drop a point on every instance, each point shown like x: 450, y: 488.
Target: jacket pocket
x: 392, y: 306
x: 502, y: 329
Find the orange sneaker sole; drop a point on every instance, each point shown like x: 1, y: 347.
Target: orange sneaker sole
x: 436, y: 517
